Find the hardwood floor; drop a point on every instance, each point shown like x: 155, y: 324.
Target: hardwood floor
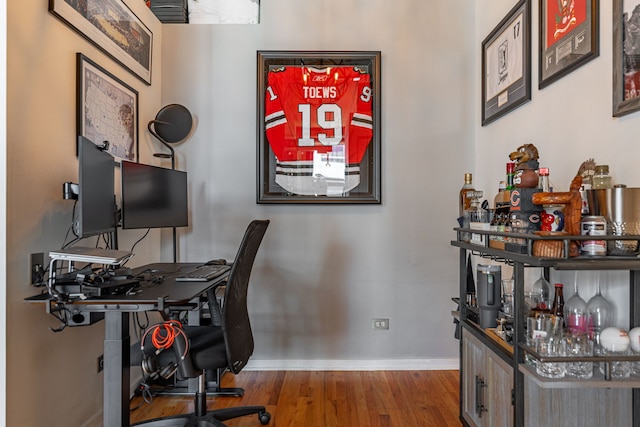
x: 330, y: 399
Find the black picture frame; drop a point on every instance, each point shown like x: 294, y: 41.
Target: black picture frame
x: 106, y: 110
x: 626, y: 58
x: 112, y: 27
x: 568, y: 38
x: 335, y: 160
x: 506, y: 64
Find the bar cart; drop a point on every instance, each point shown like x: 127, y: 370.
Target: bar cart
x: 497, y: 387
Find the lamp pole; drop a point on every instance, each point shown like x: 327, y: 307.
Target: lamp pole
x: 173, y: 167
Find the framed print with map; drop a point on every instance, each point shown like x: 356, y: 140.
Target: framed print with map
x: 568, y: 37
x: 111, y: 26
x: 506, y: 64
x: 107, y: 110
x: 626, y: 57
x: 318, y: 132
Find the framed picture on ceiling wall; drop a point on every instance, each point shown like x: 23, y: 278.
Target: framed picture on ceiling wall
x: 568, y: 37
x: 506, y: 64
x: 318, y: 133
x: 626, y: 57
x: 111, y: 26
x: 107, y: 110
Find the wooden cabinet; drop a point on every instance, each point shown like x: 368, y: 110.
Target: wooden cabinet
x: 487, y: 385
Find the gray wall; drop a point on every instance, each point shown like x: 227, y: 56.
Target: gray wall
x: 324, y: 271
x: 52, y: 378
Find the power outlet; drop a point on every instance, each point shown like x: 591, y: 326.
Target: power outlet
x: 379, y: 324
x: 36, y: 264
x: 100, y: 363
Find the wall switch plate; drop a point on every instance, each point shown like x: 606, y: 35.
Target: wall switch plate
x: 36, y: 264
x: 379, y: 324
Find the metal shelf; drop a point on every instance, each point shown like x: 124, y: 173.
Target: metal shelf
x: 566, y: 263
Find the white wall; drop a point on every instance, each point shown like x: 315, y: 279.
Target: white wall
x: 324, y: 271
x: 569, y: 122
x: 52, y: 378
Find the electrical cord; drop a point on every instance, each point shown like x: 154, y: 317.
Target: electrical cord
x: 163, y: 336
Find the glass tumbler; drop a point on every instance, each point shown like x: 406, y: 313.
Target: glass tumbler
x: 619, y: 369
x: 579, y: 345
x: 552, y: 346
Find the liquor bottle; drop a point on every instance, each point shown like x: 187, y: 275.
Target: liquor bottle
x: 499, y: 200
x: 465, y: 200
x: 543, y: 183
x: 511, y: 171
x: 475, y: 215
x: 558, y: 301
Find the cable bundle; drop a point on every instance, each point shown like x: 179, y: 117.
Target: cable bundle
x: 164, y: 334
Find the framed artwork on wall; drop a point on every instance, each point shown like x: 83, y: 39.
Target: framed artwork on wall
x: 318, y: 132
x: 111, y: 26
x: 626, y: 57
x: 107, y: 110
x: 568, y: 37
x: 506, y: 64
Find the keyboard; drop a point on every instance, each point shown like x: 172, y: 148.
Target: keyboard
x: 203, y: 273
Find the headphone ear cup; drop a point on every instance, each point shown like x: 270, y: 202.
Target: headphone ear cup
x: 149, y: 365
x: 168, y: 371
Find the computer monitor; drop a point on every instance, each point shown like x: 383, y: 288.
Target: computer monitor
x: 96, y: 209
x: 153, y: 197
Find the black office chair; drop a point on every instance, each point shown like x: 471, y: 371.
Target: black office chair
x: 226, y: 343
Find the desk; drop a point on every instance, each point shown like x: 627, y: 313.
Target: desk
x: 117, y: 340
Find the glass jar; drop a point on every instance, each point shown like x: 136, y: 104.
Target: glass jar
x: 601, y: 178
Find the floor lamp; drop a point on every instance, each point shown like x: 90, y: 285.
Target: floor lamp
x: 172, y: 125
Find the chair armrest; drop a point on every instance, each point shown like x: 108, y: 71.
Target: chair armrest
x: 214, y: 308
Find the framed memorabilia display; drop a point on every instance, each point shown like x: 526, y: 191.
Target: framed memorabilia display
x: 506, y: 64
x: 318, y: 132
x: 568, y: 37
x: 107, y: 110
x: 111, y: 26
x: 626, y: 57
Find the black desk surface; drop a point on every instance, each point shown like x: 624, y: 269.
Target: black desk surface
x: 158, y: 284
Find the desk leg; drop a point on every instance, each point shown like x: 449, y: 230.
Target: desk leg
x: 116, y: 369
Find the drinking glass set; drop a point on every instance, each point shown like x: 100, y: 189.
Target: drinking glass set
x: 585, y: 331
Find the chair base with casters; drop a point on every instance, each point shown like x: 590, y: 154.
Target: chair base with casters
x: 201, y: 418
x: 189, y: 386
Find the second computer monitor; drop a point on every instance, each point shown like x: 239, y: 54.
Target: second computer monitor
x: 153, y: 197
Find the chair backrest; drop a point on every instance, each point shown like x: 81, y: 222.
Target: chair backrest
x: 236, y: 326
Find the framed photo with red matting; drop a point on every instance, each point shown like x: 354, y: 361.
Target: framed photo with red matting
x: 568, y: 37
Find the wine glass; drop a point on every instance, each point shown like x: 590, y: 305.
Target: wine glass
x: 600, y: 314
x: 541, y: 287
x: 575, y: 311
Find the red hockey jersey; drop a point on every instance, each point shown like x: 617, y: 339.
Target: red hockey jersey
x: 315, y: 118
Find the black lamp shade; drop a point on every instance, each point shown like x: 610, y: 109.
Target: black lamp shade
x: 173, y: 123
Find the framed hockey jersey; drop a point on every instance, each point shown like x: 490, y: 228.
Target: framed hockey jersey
x: 318, y: 134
